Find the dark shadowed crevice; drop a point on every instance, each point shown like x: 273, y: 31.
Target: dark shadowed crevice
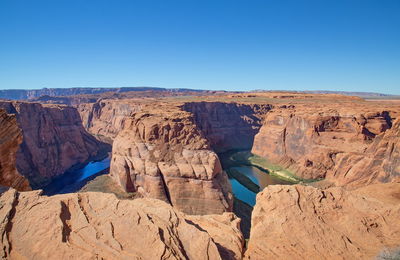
x: 129, y: 183
x: 9, y: 225
x: 167, y: 194
x: 387, y: 118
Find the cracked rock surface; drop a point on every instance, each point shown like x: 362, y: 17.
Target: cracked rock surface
x: 100, y: 226
x: 302, y: 222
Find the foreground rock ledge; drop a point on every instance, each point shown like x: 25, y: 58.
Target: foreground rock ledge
x: 100, y: 226
x: 300, y: 222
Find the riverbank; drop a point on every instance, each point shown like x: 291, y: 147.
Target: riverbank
x: 72, y: 181
x: 104, y: 183
x: 249, y: 159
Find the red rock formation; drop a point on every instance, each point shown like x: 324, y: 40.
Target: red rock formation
x: 326, y: 143
x: 106, y: 118
x: 300, y: 222
x: 54, y: 140
x: 100, y: 226
x: 228, y: 126
x: 163, y: 155
x: 379, y: 163
x: 10, y: 139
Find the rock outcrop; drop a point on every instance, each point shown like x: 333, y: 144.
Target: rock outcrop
x: 54, y: 140
x: 164, y: 155
x: 100, y: 226
x: 302, y: 222
x: 331, y: 143
x: 10, y: 139
x: 379, y: 163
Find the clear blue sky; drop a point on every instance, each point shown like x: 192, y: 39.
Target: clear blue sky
x: 232, y: 45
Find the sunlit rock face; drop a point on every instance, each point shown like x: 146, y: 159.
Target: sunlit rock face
x: 344, y: 146
x: 164, y: 155
x: 54, y: 140
x: 100, y: 226
x: 302, y: 222
x: 106, y: 118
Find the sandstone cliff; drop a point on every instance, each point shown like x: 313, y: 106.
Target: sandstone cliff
x: 99, y: 226
x: 228, y: 126
x: 106, y: 118
x: 334, y: 143
x: 10, y: 139
x: 164, y: 155
x: 300, y: 222
x: 54, y: 140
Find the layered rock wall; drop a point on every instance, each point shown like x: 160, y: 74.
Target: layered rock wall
x: 54, y: 140
x: 106, y: 118
x: 10, y: 139
x: 165, y: 156
x: 228, y: 126
x: 331, y: 144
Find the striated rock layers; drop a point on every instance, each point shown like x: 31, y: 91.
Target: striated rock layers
x: 345, y: 148
x: 106, y: 118
x: 228, y: 126
x: 302, y: 222
x: 99, y: 226
x: 54, y: 140
x: 164, y: 155
x: 10, y: 138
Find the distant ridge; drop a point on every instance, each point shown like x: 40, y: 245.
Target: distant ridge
x: 346, y: 93
x: 25, y: 94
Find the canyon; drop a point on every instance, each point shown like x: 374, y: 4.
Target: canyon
x: 342, y: 151
x: 53, y: 142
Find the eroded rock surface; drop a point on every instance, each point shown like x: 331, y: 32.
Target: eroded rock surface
x: 10, y: 139
x: 54, y: 140
x: 165, y: 156
x: 300, y: 222
x: 339, y: 144
x: 99, y: 226
x: 106, y: 118
x: 228, y: 126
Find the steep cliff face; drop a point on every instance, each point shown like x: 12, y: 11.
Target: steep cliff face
x: 99, y: 226
x: 106, y: 118
x: 228, y: 126
x: 323, y: 144
x: 379, y: 163
x: 163, y: 155
x: 10, y: 139
x: 54, y: 140
x: 300, y: 222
